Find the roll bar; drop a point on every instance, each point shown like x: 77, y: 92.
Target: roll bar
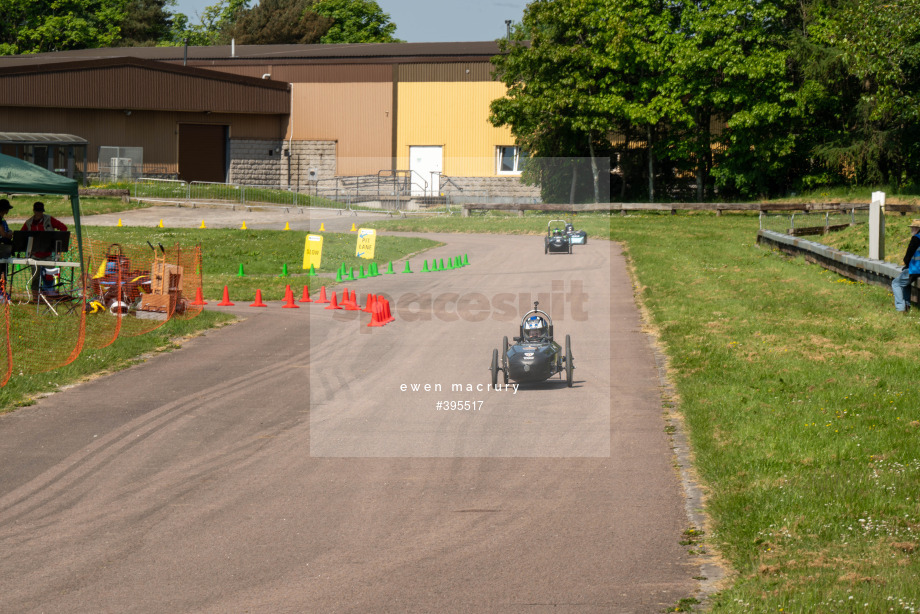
x: 540, y: 312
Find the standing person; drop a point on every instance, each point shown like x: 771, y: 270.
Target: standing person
x: 900, y: 285
x: 6, y: 244
x: 40, y: 221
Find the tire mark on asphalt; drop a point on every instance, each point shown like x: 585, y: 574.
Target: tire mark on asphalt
x: 36, y: 494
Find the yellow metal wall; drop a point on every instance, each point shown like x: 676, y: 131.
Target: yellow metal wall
x: 454, y: 115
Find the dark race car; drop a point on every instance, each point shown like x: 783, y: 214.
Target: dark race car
x: 556, y: 241
x: 535, y: 356
x: 576, y: 237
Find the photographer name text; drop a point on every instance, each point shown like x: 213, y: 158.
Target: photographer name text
x: 513, y: 388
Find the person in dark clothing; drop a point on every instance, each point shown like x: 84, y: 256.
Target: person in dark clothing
x: 6, y: 243
x: 901, y: 284
x: 41, y: 221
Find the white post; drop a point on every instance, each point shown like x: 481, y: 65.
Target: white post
x: 877, y: 226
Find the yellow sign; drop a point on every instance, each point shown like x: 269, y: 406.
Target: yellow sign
x: 312, y: 251
x: 367, y: 240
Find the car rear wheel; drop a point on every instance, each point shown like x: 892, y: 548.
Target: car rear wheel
x: 505, y: 358
x: 494, y: 368
x: 569, y: 366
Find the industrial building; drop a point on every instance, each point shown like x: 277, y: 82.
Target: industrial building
x: 276, y: 115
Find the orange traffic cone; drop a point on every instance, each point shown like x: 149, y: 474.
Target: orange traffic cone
x: 348, y: 302
x: 369, y: 304
x: 334, y: 304
x: 322, y: 296
x: 306, y: 296
x: 375, y: 315
x: 226, y: 302
x: 388, y: 317
x: 258, y: 302
x: 199, y: 300
x: 289, y: 299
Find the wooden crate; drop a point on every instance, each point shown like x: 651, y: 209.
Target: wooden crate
x: 162, y: 303
x: 165, y: 278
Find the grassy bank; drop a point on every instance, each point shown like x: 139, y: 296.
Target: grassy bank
x: 799, y: 392
x: 125, y: 352
x: 59, y: 206
x: 263, y: 255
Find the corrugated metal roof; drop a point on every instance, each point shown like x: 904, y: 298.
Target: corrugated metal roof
x: 11, y: 67
x: 41, y: 138
x: 372, y: 52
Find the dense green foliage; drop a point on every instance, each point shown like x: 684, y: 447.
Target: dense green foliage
x: 355, y: 21
x: 146, y: 22
x: 733, y: 98
x: 278, y: 22
x: 38, y: 27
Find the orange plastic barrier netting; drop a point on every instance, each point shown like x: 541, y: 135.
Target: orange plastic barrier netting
x: 51, y: 315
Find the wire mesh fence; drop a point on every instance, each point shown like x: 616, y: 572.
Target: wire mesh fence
x: 52, y: 310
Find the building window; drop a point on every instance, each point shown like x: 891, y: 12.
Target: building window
x: 510, y: 160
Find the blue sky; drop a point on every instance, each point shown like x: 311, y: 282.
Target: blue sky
x: 422, y: 21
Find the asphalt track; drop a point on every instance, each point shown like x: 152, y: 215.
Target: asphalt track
x: 277, y: 465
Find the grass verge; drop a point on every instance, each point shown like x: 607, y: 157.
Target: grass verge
x: 126, y: 351
x: 798, y: 389
x: 263, y: 255
x: 59, y: 206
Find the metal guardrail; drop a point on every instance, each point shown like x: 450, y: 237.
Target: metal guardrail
x: 813, y: 222
x: 851, y: 266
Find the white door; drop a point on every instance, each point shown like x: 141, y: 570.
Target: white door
x: 426, y: 165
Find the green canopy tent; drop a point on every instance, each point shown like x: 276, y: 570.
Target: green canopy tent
x: 21, y: 177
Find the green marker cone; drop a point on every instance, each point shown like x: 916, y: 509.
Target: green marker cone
x: 441, y: 265
x: 361, y: 274
x: 376, y: 269
x: 284, y: 272
x: 466, y: 260
x: 241, y: 274
x: 408, y: 270
x: 390, y: 270
x: 425, y: 268
x: 312, y: 272
x: 338, y: 276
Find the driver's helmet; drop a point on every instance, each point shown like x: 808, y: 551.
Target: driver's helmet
x: 534, y: 327
x: 569, y: 228
x: 557, y: 232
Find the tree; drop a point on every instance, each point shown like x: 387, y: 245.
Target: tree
x: 860, y: 67
x: 733, y: 65
x: 355, y: 21
x: 146, y: 23
x: 215, y: 21
x: 590, y: 68
x: 275, y: 22
x: 30, y: 26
